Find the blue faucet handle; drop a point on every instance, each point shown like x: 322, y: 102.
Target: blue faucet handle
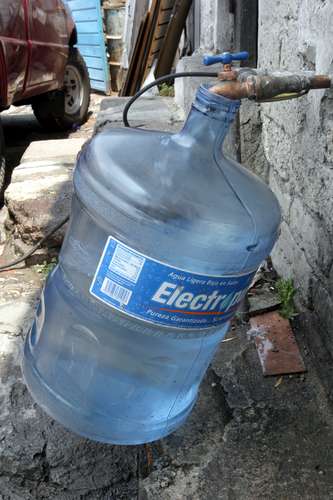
x: 225, y: 58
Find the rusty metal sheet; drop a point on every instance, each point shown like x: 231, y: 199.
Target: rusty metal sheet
x: 276, y: 345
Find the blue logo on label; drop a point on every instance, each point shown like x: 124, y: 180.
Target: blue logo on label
x: 152, y: 291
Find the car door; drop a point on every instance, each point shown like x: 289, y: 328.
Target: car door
x: 13, y: 49
x: 49, y: 41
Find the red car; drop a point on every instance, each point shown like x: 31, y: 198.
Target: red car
x: 39, y: 65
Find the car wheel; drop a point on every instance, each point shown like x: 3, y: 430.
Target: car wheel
x: 3, y: 176
x: 75, y: 98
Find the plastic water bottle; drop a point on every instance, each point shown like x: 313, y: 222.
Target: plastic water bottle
x: 165, y: 236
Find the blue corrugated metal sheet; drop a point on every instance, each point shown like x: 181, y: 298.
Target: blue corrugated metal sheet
x: 88, y: 20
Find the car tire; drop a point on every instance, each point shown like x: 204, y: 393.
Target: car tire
x: 3, y: 170
x: 75, y: 98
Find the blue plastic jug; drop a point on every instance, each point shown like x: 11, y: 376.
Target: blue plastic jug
x: 165, y: 236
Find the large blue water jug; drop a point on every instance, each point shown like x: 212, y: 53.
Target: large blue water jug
x: 165, y: 236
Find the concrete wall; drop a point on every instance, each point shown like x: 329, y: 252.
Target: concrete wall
x: 289, y: 144
x: 214, y: 26
x: 215, y: 31
x: 295, y: 144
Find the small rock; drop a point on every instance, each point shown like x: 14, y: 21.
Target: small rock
x: 264, y: 300
x: 164, y: 483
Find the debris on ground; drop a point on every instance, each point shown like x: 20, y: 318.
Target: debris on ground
x: 263, y: 296
x: 262, y: 300
x: 276, y: 344
x: 278, y: 383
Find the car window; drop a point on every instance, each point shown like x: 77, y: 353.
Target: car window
x: 12, y: 19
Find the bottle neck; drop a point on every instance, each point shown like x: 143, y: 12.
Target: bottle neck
x: 210, y: 117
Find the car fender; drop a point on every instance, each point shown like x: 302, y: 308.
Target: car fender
x: 3, y: 78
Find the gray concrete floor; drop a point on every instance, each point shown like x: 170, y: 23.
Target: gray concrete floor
x: 248, y: 437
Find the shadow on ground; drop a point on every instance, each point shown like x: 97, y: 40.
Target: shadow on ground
x: 20, y: 130
x: 248, y: 437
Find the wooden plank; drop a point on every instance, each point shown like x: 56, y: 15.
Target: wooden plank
x: 134, y: 14
x: 87, y: 15
x: 89, y: 39
x: 276, y: 345
x: 87, y: 27
x: 128, y: 83
x: 98, y: 85
x: 246, y: 29
x: 112, y: 4
x: 197, y: 24
x: 165, y: 10
x: 153, y: 18
x: 90, y: 51
x: 81, y: 5
x: 96, y: 74
x: 94, y: 62
x: 172, y: 37
x: 148, y: 44
x: 138, y: 71
x: 189, y: 29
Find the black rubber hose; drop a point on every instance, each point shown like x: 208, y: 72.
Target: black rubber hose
x: 162, y: 79
x: 5, y: 267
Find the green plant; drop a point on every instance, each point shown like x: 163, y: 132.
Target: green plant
x: 167, y: 90
x: 46, y: 267
x: 286, y: 292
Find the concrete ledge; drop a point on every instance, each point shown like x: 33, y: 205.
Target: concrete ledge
x: 186, y: 88
x: 40, y: 192
x: 58, y: 149
x: 156, y: 113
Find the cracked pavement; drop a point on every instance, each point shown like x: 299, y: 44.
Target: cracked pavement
x: 248, y: 437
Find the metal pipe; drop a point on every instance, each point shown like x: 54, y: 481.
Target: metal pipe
x: 261, y: 86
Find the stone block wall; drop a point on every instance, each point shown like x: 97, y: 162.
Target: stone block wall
x: 293, y: 141
x: 289, y: 144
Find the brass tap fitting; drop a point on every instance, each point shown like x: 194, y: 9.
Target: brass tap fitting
x: 262, y: 86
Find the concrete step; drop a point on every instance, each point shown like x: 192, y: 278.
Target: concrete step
x: 59, y: 150
x: 40, y: 192
x: 39, y: 197
x: 155, y: 113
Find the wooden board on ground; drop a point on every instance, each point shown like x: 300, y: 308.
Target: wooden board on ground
x: 158, y: 35
x: 158, y: 40
x: 132, y: 74
x: 276, y: 345
x: 172, y: 36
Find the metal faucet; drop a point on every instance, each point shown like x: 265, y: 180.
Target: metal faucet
x: 262, y: 85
